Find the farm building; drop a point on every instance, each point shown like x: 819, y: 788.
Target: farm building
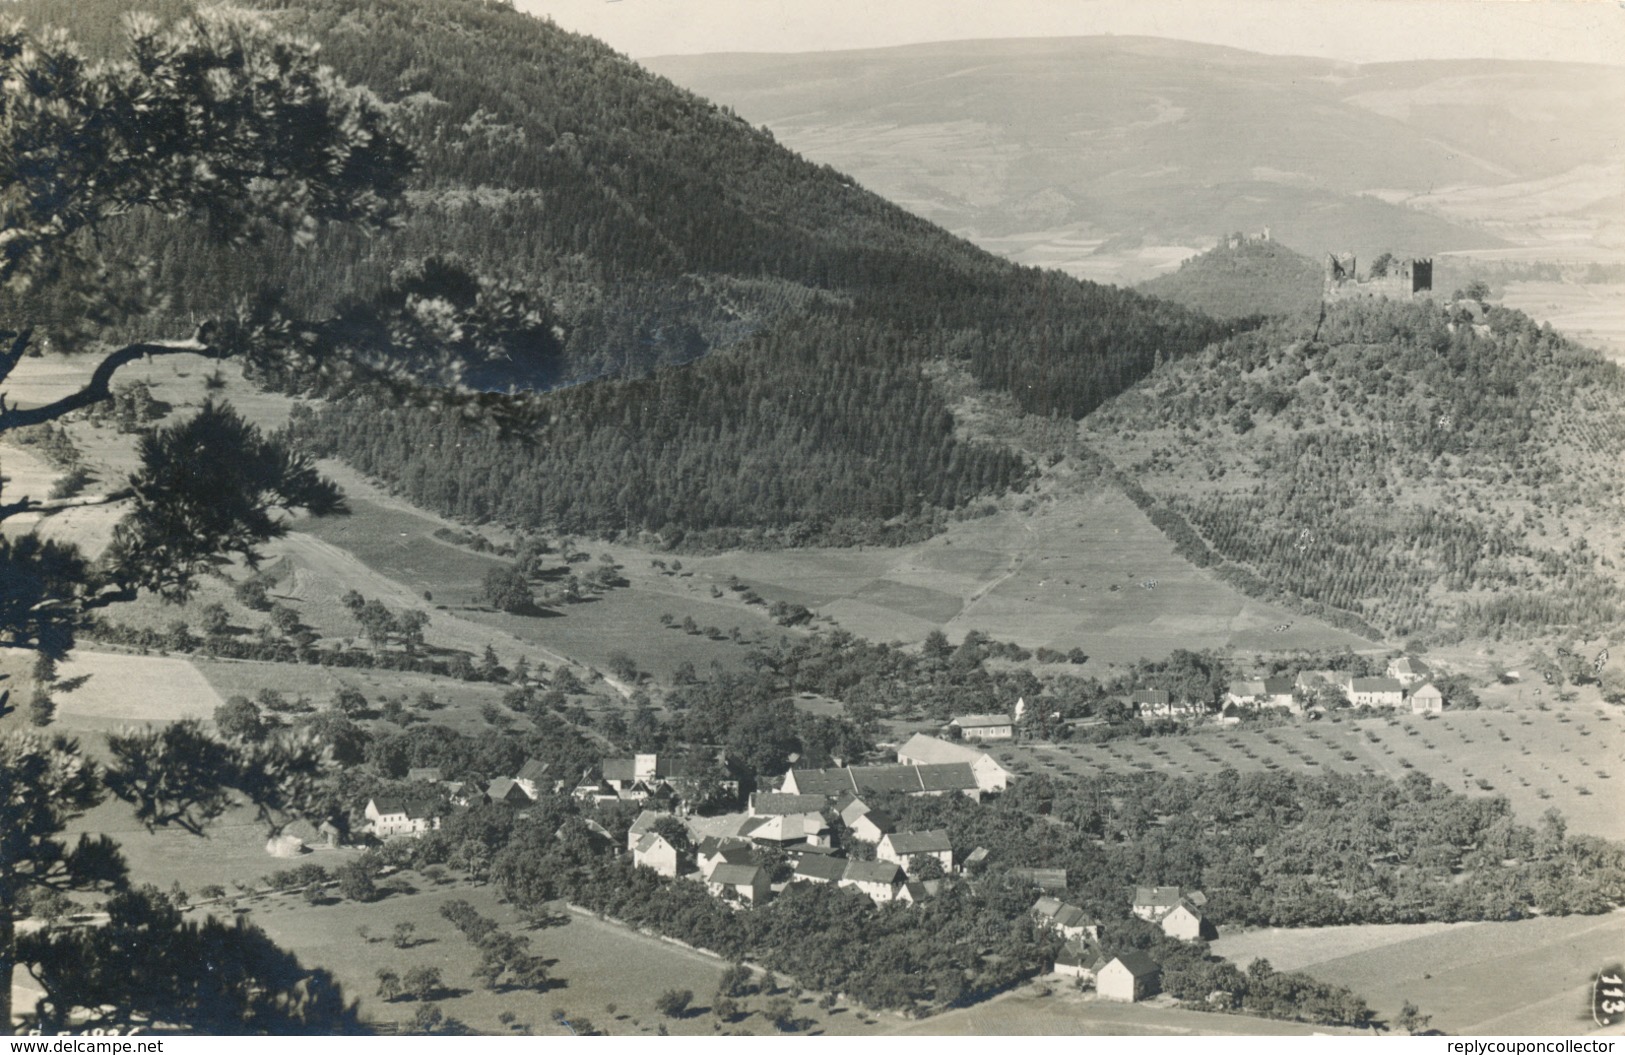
x: 1151, y: 903
x: 872, y: 826
x: 1375, y: 692
x: 859, y: 780
x: 819, y: 868
x: 742, y: 882
x: 1427, y: 699
x: 1185, y: 923
x: 878, y: 879
x: 507, y: 792
x: 727, y: 849
x: 922, y: 750
x: 643, y: 825
x: 1128, y: 978
x: 985, y: 726
x: 390, y: 816
x: 1075, y: 961
x: 911, y: 849
x: 1069, y: 921
x: 1262, y: 692
x: 325, y: 835
x: 1050, y: 880
x: 532, y: 777
x: 787, y: 830
x: 914, y: 892
x: 1408, y: 670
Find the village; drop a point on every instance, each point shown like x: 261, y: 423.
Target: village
x: 821, y: 826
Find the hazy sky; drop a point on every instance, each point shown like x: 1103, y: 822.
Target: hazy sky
x: 1354, y: 30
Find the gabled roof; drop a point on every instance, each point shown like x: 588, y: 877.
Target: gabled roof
x: 828, y: 869
x: 1155, y: 697
x: 1427, y: 687
x: 1280, y: 685
x: 645, y: 822
x: 1139, y: 964
x: 982, y: 721
x: 735, y: 875
x: 934, y: 841
x: 947, y: 776
x: 872, y: 872
x: 1246, y: 688
x: 795, y: 827
x: 929, y: 750
x: 1188, y: 907
x: 1156, y: 896
x: 652, y: 840
x: 1409, y: 665
x: 501, y: 789
x: 622, y: 769
x: 1042, y: 878
x: 533, y: 770
x: 850, y: 807
x: 414, y: 809
x: 881, y: 820
x: 1046, y: 907
x: 431, y: 774
x: 778, y: 803
x: 1375, y: 685
x: 712, y: 845
x: 914, y: 891
x: 1073, y: 955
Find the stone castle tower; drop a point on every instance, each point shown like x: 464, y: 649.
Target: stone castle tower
x: 1405, y: 280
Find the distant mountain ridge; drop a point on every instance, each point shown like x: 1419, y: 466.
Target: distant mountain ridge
x: 1105, y: 155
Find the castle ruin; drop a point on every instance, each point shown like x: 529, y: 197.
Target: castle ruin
x: 1404, y: 279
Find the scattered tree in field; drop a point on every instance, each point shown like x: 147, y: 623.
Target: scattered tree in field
x: 505, y: 587
x: 674, y: 1003
x: 214, y: 620
x: 421, y: 983
x: 405, y: 935
x: 1411, y: 1019
x: 389, y: 984
x: 239, y: 719
x: 41, y: 708
x: 356, y: 884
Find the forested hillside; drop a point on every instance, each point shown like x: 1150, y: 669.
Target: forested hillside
x: 638, y: 228
x: 1412, y: 469
x: 1231, y: 281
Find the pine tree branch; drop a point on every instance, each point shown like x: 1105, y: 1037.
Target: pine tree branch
x: 99, y: 388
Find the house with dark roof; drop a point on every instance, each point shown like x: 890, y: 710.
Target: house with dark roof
x: 726, y: 849
x: 1046, y: 879
x: 878, y: 879
x: 1069, y: 921
x: 1075, y: 961
x: 389, y: 816
x: 1151, y: 903
x: 911, y: 849
x: 1375, y: 692
x: 532, y: 776
x: 779, y: 804
x: 506, y: 792
x: 746, y: 883
x: 1127, y: 978
x: 1184, y: 921
x: 861, y: 780
x: 872, y: 826
x: 819, y: 868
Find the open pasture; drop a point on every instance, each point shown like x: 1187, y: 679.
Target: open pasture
x: 1030, y: 1011
x: 1569, y: 757
x: 1592, y: 313
x: 1520, y: 978
x: 109, y: 690
x: 1069, y: 570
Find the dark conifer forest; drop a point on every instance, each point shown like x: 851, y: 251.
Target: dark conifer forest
x: 644, y: 228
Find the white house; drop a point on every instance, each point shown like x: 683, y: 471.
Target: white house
x: 878, y: 879
x: 532, y: 777
x: 1375, y: 692
x: 922, y: 750
x: 872, y: 826
x: 1408, y: 670
x: 1427, y: 699
x: 644, y: 824
x: 819, y: 868
x: 1128, y: 978
x: 727, y: 849
x: 910, y: 849
x: 1182, y: 922
x: 656, y: 854
x: 745, y: 882
x: 1069, y: 921
x: 1151, y: 903
x: 985, y: 726
x: 389, y: 816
